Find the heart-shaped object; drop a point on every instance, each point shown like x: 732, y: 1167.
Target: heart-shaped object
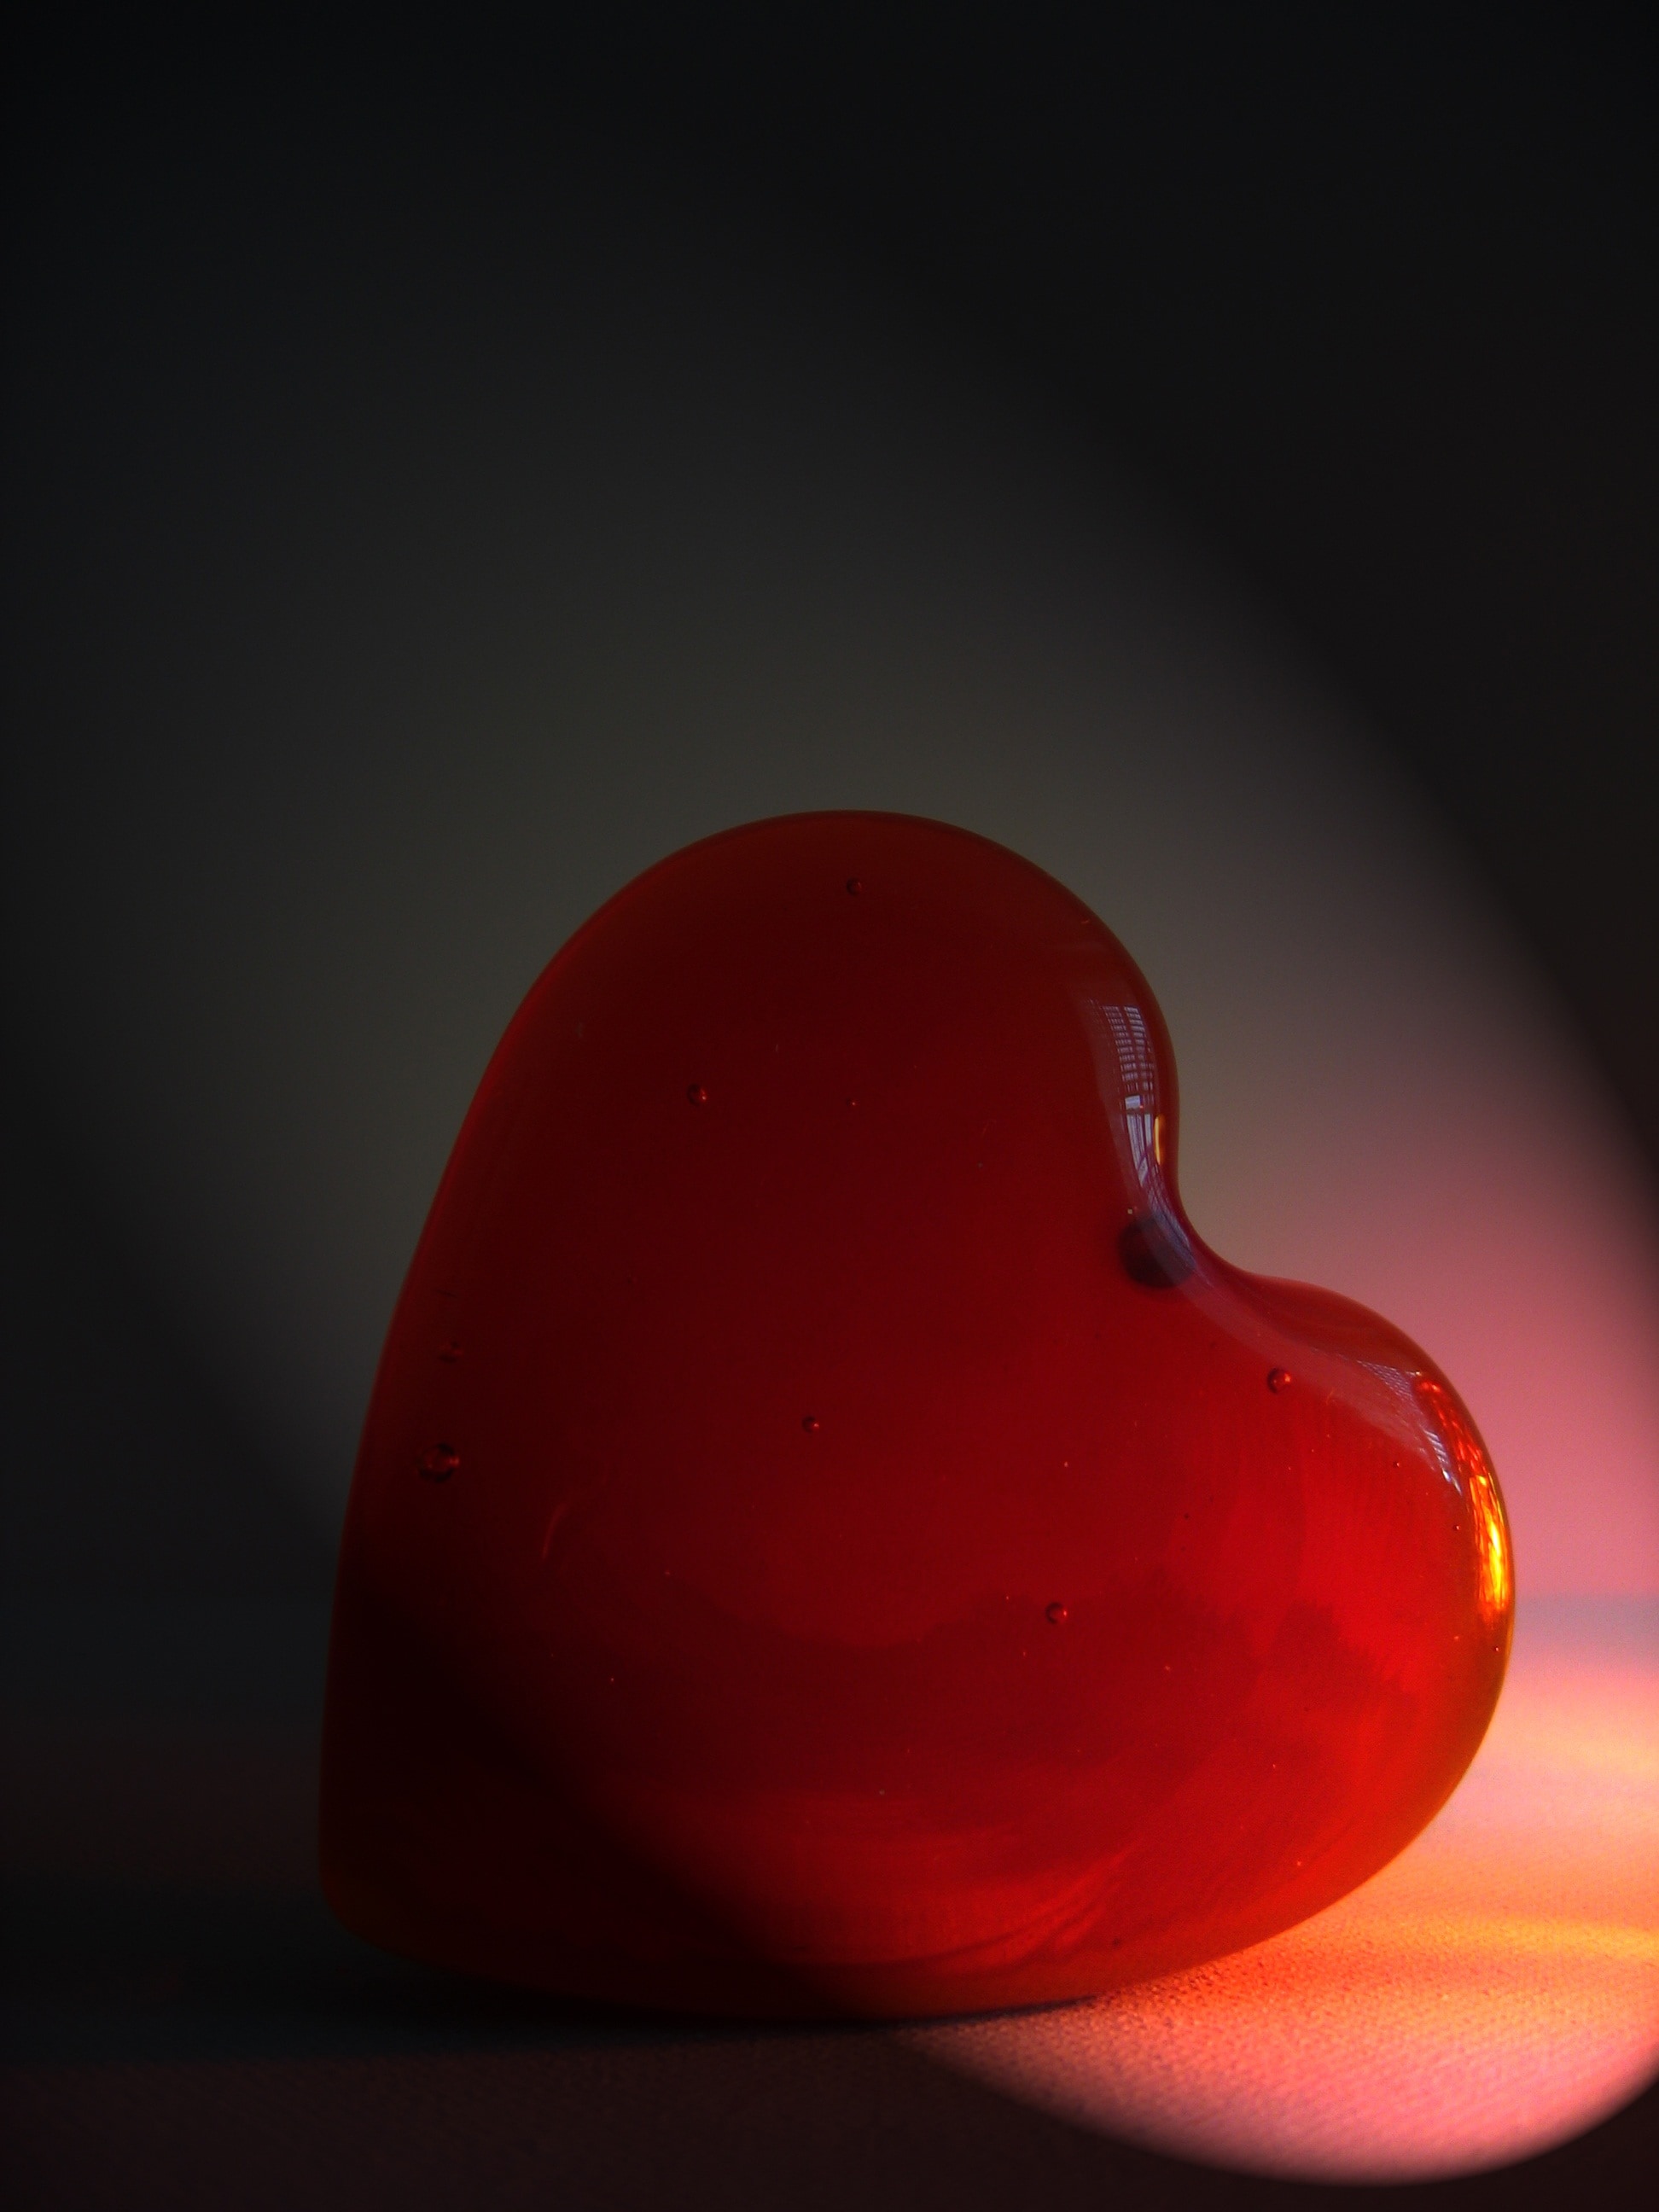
x: 828, y: 1536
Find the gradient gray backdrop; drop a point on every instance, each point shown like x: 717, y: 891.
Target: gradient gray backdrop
x: 399, y: 586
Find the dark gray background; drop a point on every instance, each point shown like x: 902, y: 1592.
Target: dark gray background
x: 1366, y: 308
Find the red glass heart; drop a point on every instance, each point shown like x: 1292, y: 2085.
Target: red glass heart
x: 828, y: 1535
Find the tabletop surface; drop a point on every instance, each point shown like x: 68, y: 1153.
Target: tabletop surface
x: 186, y: 2023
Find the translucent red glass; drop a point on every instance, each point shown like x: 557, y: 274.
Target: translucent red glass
x: 828, y: 1535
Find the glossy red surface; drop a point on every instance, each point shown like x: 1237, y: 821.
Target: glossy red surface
x: 828, y: 1535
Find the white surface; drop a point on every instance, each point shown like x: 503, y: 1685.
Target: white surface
x: 1492, y: 1992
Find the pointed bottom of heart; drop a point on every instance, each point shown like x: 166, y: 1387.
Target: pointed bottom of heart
x: 445, y: 1842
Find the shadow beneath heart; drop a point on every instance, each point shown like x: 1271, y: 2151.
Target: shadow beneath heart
x: 186, y: 2023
